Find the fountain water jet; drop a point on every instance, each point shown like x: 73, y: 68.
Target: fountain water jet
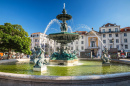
x: 50, y: 23
x: 70, y: 29
x: 86, y: 27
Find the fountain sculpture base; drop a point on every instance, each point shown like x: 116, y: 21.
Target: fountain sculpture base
x: 64, y: 59
x: 31, y: 62
x: 106, y: 64
x: 64, y: 62
x: 40, y: 69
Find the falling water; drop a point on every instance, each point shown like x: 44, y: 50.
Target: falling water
x: 86, y: 27
x: 70, y: 28
x: 53, y: 29
x: 50, y: 23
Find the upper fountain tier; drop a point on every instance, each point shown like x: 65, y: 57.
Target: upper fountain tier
x: 64, y: 37
x: 64, y: 16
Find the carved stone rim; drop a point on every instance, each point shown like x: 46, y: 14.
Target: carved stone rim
x: 40, y: 77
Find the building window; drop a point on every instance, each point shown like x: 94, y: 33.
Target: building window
x: 117, y: 40
x: 92, y: 43
x: 125, y: 34
x: 125, y: 29
x: 110, y: 35
x: 116, y: 29
x: 117, y: 46
x: 57, y: 48
x: 56, y: 43
x: 103, y: 30
x: 125, y: 40
x: 104, y: 41
x: 109, y: 30
x: 36, y: 40
x: 111, y: 46
x: 71, y: 48
x: 126, y: 46
x: 110, y: 41
x: 82, y: 48
x: 104, y: 35
x: 76, y: 42
x: 31, y: 35
x: 82, y: 42
x: 76, y: 47
x: 82, y: 37
x: 116, y: 35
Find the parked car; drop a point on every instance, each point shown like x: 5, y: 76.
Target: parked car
x: 123, y: 56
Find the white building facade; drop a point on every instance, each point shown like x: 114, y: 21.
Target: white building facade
x: 39, y: 39
x: 125, y: 40
x: 110, y: 36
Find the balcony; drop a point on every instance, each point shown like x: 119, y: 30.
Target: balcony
x: 110, y: 32
x: 96, y: 47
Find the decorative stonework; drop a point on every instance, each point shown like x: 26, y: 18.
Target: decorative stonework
x: 63, y: 56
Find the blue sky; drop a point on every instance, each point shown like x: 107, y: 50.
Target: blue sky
x: 34, y: 15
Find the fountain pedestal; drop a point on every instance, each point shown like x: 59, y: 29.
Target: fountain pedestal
x: 40, y: 69
x: 64, y: 62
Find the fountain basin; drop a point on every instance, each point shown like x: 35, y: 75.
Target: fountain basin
x: 64, y: 37
x: 117, y: 79
x: 64, y: 17
x: 84, y: 68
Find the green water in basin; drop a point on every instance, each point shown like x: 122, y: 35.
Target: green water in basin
x: 87, y: 68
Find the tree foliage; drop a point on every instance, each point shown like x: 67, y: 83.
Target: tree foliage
x: 14, y: 37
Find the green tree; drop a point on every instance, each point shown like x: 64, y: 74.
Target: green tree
x: 14, y: 37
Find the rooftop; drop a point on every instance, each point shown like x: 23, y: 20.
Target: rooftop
x: 38, y: 33
x: 80, y: 32
x: 109, y: 24
x: 125, y: 29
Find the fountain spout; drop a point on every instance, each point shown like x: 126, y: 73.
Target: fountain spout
x: 64, y: 6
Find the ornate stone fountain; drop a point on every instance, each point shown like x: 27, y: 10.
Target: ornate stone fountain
x: 63, y: 56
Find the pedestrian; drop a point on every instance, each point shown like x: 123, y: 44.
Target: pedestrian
x: 27, y: 56
x: 0, y: 57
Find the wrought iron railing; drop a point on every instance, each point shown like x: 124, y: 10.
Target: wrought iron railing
x: 110, y: 32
